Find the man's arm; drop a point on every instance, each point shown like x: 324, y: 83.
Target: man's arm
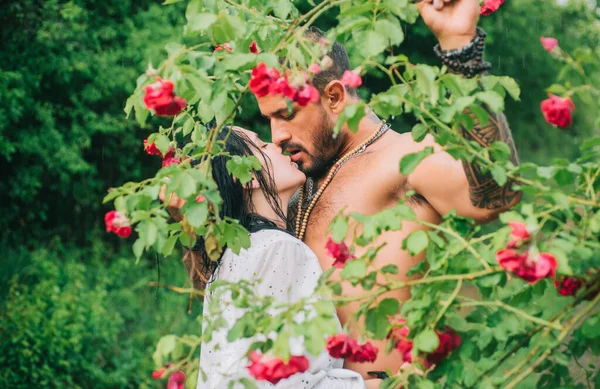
x: 484, y: 192
x: 463, y: 186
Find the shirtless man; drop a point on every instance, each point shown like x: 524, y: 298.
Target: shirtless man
x: 370, y: 181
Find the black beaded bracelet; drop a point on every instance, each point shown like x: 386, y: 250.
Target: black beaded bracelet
x: 468, y: 60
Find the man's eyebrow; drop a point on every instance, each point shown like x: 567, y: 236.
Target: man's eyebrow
x: 276, y: 113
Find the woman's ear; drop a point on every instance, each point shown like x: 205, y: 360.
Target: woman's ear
x: 253, y: 184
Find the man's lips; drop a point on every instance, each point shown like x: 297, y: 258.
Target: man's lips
x: 295, y: 155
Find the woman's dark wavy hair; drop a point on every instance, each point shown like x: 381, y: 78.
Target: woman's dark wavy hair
x: 237, y: 202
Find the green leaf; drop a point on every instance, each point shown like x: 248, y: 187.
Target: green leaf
x: 426, y: 341
x: 282, y: 8
x: 511, y: 87
x: 166, y: 344
x: 171, y: 2
x: 590, y: 143
x: 201, y: 21
x: 410, y: 161
x: 389, y: 306
x: 162, y: 143
x: 416, y: 242
x: 242, y: 167
x: 197, y: 214
x: 377, y: 323
x: 370, y: 43
x: 391, y: 269
x: 138, y: 247
x: 356, y: 268
x: 148, y: 232
x: 239, y: 62
x: 187, y: 185
x: 493, y: 100
x: 391, y: 29
x: 339, y: 228
x: 169, y: 245
x: 419, y: 131
x: 499, y: 175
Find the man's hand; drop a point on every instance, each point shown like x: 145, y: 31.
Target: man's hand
x: 454, y: 22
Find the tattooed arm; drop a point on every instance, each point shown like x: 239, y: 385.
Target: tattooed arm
x: 448, y: 184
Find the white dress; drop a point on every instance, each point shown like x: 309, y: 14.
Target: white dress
x: 288, y: 270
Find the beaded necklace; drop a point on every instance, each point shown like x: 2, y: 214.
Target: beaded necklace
x: 302, y: 218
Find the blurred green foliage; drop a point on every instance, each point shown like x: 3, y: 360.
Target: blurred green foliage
x: 84, y: 316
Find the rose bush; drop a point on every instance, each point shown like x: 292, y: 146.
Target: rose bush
x: 519, y: 330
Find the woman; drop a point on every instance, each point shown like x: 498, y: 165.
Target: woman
x: 286, y: 268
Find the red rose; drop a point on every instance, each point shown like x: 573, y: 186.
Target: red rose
x: 531, y: 270
x: 274, y: 369
x: 315, y: 68
x: 341, y: 346
x: 568, y: 286
x: 490, y: 6
x: 400, y: 335
x: 558, y: 111
x: 262, y: 78
x: 518, y: 234
x: 153, y: 150
x: 160, y: 98
x: 253, y: 48
x: 307, y: 94
x: 351, y: 79
x: 449, y: 341
x: 283, y: 87
x: 170, y: 161
x: 118, y: 223
x: 365, y: 353
x: 158, y: 374
x: 339, y: 251
x: 224, y: 46
x: 549, y: 43
x: 176, y: 380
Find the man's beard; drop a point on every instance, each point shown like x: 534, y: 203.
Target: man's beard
x: 326, y: 148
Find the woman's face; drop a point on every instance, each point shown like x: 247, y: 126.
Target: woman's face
x: 285, y: 173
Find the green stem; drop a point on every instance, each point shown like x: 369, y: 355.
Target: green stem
x: 564, y: 333
x: 448, y: 302
x: 514, y: 310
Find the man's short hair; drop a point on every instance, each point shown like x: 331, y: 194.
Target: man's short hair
x: 340, y: 63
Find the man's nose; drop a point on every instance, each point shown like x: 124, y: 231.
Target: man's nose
x: 279, y: 135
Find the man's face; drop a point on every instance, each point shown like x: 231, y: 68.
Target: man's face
x: 306, y: 133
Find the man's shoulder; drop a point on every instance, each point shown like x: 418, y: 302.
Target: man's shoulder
x: 394, y: 146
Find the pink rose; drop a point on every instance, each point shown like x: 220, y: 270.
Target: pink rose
x: 558, y: 111
x: 530, y: 269
x: 160, y: 98
x: 568, y: 286
x: 365, y: 353
x: 118, y: 223
x: 549, y: 43
x: 176, y: 380
x: 351, y: 79
x: 518, y: 234
x: 448, y: 342
x: 315, y: 68
x: 306, y: 94
x: 341, y: 346
x: 490, y: 6
x: 253, y: 47
x: 339, y: 251
x: 274, y: 369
